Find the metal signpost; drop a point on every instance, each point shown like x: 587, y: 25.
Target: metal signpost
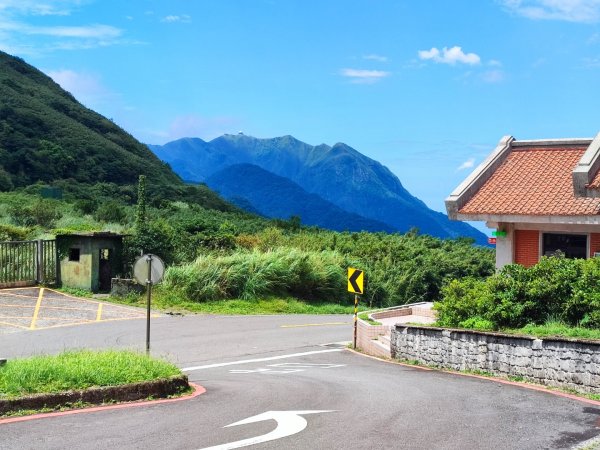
x: 148, y: 270
x: 356, y: 281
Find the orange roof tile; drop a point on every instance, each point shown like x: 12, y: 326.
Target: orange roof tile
x: 533, y: 181
x: 595, y: 183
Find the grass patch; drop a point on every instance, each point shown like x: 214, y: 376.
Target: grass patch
x: 80, y: 369
x: 75, y: 292
x: 365, y: 316
x: 550, y: 329
x: 558, y: 329
x: 169, y: 302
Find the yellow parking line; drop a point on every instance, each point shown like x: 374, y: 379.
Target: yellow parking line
x: 99, y: 314
x: 314, y: 324
x: 37, y: 309
x: 66, y: 308
x: 88, y: 322
x: 14, y: 325
x: 32, y: 297
x: 16, y: 306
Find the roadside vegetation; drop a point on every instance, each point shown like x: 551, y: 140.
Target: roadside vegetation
x: 222, y: 260
x: 75, y: 370
x: 215, y: 256
x: 557, y: 296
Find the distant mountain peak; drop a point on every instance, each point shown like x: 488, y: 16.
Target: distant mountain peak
x: 338, y: 174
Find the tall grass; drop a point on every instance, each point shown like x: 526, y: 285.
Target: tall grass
x: 252, y: 275
x: 79, y: 370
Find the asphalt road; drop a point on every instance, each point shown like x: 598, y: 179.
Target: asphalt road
x: 370, y: 404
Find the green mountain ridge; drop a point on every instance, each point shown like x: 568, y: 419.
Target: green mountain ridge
x: 338, y: 174
x: 278, y: 197
x: 47, y: 135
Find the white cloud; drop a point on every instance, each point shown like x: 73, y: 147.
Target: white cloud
x: 567, y: 10
x: 450, y: 56
x: 468, y: 164
x: 493, y: 76
x: 375, y: 57
x: 494, y: 63
x: 83, y: 32
x: 362, y: 76
x: 591, y: 63
x: 173, y: 19
x: 19, y: 33
x: 85, y: 87
x: 40, y: 8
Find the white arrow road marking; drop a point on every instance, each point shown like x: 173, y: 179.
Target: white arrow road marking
x: 288, y: 423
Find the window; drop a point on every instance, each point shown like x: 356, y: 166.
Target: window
x: 74, y: 254
x: 571, y: 245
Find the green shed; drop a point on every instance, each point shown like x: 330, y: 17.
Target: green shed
x: 89, y: 260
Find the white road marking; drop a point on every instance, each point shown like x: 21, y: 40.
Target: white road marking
x: 285, y: 368
x: 307, y: 365
x: 267, y: 371
x: 249, y: 361
x: 288, y: 423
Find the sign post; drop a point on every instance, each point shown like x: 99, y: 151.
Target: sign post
x: 356, y: 281
x: 148, y: 270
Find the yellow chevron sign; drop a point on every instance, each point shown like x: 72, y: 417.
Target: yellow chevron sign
x: 356, y: 281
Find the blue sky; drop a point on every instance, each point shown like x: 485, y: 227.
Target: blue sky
x: 425, y: 87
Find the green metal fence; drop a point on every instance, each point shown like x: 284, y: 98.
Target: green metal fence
x: 28, y: 263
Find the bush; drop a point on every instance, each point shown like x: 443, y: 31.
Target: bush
x: 12, y: 233
x: 252, y: 275
x: 111, y: 211
x: 43, y: 213
x: 86, y: 206
x: 556, y: 288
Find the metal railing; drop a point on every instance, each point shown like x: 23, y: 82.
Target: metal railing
x: 28, y: 262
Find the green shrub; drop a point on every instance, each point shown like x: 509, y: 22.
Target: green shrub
x: 43, y: 213
x: 556, y: 288
x: 86, y: 206
x: 12, y: 233
x: 253, y: 275
x: 111, y: 211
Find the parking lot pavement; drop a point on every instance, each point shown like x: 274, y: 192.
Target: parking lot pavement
x: 39, y: 308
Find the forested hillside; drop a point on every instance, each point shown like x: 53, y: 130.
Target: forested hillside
x: 47, y: 135
x: 278, y: 197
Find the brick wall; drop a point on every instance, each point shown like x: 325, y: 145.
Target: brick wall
x: 365, y: 336
x: 527, y: 247
x: 391, y: 313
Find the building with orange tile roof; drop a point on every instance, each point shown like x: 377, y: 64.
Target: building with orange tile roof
x: 541, y: 196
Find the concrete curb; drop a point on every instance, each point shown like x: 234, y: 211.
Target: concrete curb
x: 160, y: 388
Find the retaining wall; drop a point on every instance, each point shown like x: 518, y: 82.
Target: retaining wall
x: 365, y: 336
x: 565, y: 363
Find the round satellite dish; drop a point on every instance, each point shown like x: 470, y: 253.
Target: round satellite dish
x: 140, y: 269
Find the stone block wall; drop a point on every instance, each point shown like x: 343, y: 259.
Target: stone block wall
x: 564, y: 363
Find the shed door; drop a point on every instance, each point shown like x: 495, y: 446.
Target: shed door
x: 105, y: 275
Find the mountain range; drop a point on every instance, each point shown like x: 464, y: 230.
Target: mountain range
x: 47, y: 136
x: 338, y: 175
